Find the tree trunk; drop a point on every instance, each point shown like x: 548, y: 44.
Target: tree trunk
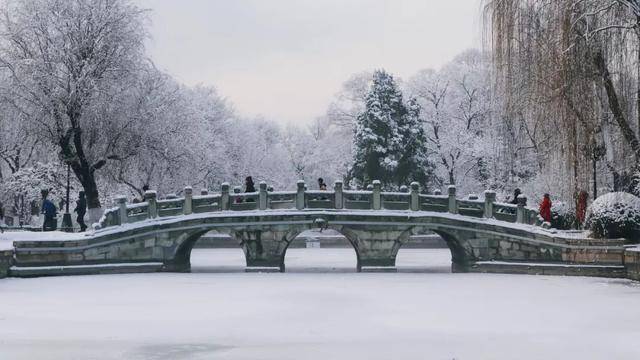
x: 72, y: 150
x: 616, y: 109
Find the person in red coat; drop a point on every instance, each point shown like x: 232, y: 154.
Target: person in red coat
x: 545, y: 208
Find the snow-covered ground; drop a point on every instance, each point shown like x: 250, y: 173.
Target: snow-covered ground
x: 8, y: 237
x: 319, y: 310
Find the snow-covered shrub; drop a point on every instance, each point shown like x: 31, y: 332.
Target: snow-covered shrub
x: 563, y: 216
x: 615, y: 215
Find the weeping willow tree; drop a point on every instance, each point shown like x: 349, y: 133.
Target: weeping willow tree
x: 567, y: 73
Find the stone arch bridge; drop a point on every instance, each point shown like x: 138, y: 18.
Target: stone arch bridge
x: 158, y: 235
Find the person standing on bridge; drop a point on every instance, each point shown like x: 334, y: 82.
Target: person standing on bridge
x: 545, y: 208
x: 145, y: 188
x: 81, y: 210
x: 249, y: 187
x: 49, y: 210
x: 516, y: 193
x: 321, y: 184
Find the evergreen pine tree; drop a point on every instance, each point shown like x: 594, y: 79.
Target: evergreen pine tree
x: 414, y: 164
x: 390, y: 143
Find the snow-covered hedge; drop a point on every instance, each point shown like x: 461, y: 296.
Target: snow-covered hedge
x: 615, y: 215
x: 563, y: 216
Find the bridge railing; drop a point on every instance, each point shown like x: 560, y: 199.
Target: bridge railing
x: 408, y: 199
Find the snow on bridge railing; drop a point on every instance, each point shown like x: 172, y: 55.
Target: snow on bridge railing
x: 409, y: 199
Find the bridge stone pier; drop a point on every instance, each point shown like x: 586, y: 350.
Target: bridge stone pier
x: 483, y: 236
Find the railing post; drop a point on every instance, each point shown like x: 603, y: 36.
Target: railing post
x: 377, y: 197
x: 522, y: 201
x: 224, y: 196
x: 187, y: 208
x: 489, y: 199
x: 337, y: 187
x: 152, y: 207
x: 415, y: 196
x: 262, y: 195
x: 204, y: 192
x: 437, y: 192
x: 122, y: 209
x: 300, y: 195
x: 453, y: 202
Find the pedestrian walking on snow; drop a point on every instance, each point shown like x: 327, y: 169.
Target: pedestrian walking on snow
x: 1, y: 217
x: 81, y: 210
x: 50, y: 212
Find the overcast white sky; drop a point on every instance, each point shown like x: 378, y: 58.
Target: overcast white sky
x: 285, y: 59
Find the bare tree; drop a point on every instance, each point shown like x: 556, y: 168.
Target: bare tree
x: 68, y: 60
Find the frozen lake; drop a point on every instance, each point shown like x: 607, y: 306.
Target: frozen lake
x: 320, y: 309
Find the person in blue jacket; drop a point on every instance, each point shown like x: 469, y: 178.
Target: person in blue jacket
x: 50, y: 212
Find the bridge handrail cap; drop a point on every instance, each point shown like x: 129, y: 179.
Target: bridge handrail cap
x: 376, y: 182
x: 151, y: 193
x: 300, y: 182
x: 186, y: 188
x: 451, y: 187
x: 489, y: 192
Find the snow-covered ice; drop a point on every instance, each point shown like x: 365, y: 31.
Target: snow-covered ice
x: 321, y: 309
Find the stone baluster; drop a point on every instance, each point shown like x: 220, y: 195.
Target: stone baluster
x: 204, y: 192
x: 415, y: 196
x: 520, y: 212
x: 300, y: 195
x: 187, y: 208
x: 224, y: 196
x: 262, y: 195
x: 489, y: 199
x: 453, y: 202
x: 122, y: 209
x: 339, y: 197
x: 376, y: 200
x: 150, y: 197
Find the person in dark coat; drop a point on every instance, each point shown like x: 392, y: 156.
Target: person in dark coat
x: 81, y: 210
x: 136, y: 200
x: 516, y: 193
x: 321, y: 184
x: 545, y: 208
x: 49, y: 210
x: 1, y: 217
x: 249, y: 187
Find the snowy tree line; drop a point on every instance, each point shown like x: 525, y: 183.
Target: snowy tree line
x: 544, y: 111
x: 78, y: 90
